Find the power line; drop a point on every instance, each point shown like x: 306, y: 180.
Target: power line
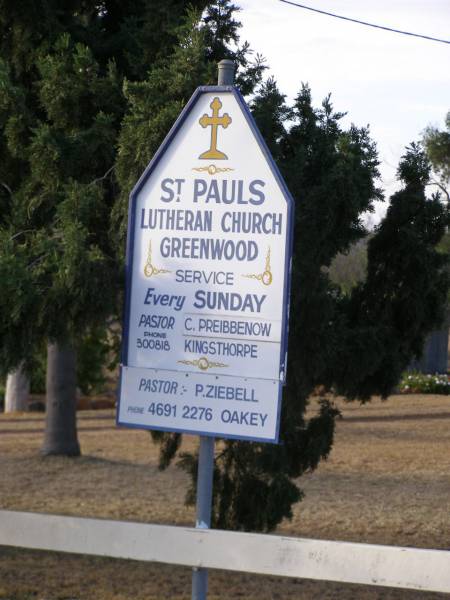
x: 323, y: 12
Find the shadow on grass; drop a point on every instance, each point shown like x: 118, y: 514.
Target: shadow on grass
x: 41, y: 417
x: 393, y: 418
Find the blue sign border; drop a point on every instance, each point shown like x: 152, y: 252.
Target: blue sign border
x: 288, y: 247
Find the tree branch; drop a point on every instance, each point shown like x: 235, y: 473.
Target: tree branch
x: 37, y: 260
x: 103, y: 177
x: 442, y: 188
x: 20, y: 233
x: 7, y: 188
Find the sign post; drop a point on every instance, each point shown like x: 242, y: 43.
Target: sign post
x: 207, y: 295
x: 206, y: 449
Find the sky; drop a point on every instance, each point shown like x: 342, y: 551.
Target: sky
x: 394, y: 83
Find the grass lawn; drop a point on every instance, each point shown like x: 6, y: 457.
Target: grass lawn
x: 387, y: 481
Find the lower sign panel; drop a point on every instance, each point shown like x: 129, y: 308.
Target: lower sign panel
x: 230, y: 407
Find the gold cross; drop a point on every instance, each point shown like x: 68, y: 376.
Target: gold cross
x: 214, y: 121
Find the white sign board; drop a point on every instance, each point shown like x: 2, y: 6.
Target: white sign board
x: 208, y: 263
x: 207, y: 404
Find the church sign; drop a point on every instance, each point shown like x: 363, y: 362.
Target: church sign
x: 208, y: 261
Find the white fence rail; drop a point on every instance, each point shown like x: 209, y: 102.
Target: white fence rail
x: 419, y: 569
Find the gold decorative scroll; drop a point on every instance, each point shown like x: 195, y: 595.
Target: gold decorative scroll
x: 212, y: 169
x: 266, y: 276
x: 203, y: 363
x: 150, y: 270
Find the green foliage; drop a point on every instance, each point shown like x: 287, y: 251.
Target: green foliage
x: 444, y: 244
x: 384, y: 322
x: 271, y: 112
x: 419, y: 383
x: 62, y: 102
x: 55, y: 246
x: 37, y: 370
x: 155, y: 103
x: 348, y: 269
x: 89, y: 89
x: 20, y: 284
x: 357, y: 342
x: 404, y: 296
x: 437, y: 146
x: 96, y: 353
x: 414, y: 168
x: 330, y: 172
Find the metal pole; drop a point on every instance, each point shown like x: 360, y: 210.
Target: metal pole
x: 226, y: 72
x: 204, y: 499
x: 206, y: 451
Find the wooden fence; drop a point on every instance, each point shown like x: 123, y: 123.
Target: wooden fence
x: 345, y: 562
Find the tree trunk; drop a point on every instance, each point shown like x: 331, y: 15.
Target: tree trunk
x: 17, y: 391
x: 61, y: 426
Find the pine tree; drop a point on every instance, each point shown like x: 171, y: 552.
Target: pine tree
x: 358, y: 344
x: 437, y: 146
x: 404, y: 295
x: 61, y: 114
x: 61, y: 104
x: 355, y: 343
x: 330, y: 173
x: 155, y: 103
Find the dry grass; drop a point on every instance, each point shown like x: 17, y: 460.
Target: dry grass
x: 387, y: 481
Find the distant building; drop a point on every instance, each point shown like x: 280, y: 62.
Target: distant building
x: 435, y: 353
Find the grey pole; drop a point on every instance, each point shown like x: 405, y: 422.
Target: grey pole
x: 206, y: 451
x: 204, y: 500
x: 226, y: 72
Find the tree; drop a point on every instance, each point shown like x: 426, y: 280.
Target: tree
x: 350, y: 268
x: 155, y: 102
x: 61, y: 104
x: 437, y: 146
x: 59, y: 234
x: 17, y: 391
x: 330, y: 173
x: 404, y: 295
x: 356, y: 343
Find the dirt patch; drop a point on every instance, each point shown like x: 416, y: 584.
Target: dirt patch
x: 387, y: 481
